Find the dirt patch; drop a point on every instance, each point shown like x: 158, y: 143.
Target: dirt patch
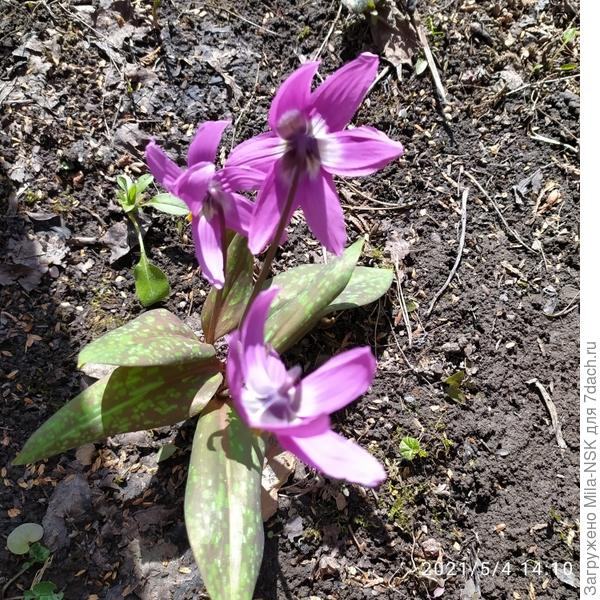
x: 493, y: 506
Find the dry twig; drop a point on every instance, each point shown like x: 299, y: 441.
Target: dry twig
x: 550, y: 406
x: 461, y: 245
x: 508, y: 228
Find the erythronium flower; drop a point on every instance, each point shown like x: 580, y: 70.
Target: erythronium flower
x: 307, y: 144
x: 209, y: 194
x: 271, y: 398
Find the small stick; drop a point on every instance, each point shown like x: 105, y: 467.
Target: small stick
x: 461, y: 245
x: 565, y: 311
x: 510, y: 230
x: 335, y: 20
x: 237, y: 16
x: 416, y: 23
x: 550, y: 406
x: 405, y: 316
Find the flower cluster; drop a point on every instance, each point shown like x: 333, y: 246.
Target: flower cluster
x: 290, y: 166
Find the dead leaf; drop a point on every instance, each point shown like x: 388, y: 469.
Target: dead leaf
x: 276, y: 472
x: 394, y: 36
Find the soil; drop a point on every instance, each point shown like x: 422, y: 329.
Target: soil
x: 491, y: 510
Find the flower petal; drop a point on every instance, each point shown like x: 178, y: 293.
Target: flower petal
x: 238, y: 215
x: 203, y: 148
x: 259, y: 152
x: 268, y: 210
x: 323, y: 211
x: 304, y: 427
x: 336, y: 457
x: 293, y: 93
x: 340, y: 95
x: 238, y: 179
x: 357, y: 152
x: 209, y: 251
x: 165, y: 171
x: 252, y: 331
x: 192, y: 185
x: 338, y: 382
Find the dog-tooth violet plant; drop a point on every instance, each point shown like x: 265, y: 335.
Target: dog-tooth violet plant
x: 165, y: 374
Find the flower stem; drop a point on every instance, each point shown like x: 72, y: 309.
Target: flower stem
x: 285, y: 217
x: 218, y: 306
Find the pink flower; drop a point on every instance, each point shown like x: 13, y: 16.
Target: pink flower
x: 271, y: 398
x: 208, y: 193
x: 307, y: 140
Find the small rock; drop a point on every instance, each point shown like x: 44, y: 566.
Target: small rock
x: 431, y: 548
x: 85, y: 454
x: 451, y: 348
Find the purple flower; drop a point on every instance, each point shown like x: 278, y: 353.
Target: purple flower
x: 308, y: 141
x: 271, y: 398
x: 208, y: 193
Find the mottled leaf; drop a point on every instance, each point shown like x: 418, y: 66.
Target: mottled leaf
x: 366, y: 285
x: 293, y: 315
x: 156, y: 337
x: 151, y: 284
x: 222, y: 504
x: 129, y: 399
x: 236, y: 292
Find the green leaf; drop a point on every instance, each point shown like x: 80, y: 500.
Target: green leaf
x: 569, y: 67
x: 151, y: 284
x: 20, y: 538
x: 222, y: 504
x: 129, y: 399
x: 124, y: 181
x: 454, y: 383
x: 237, y: 289
x: 168, y: 204
x: 155, y: 338
x: 132, y: 194
x: 44, y: 590
x: 410, y: 448
x: 366, y: 285
x: 143, y: 182
x: 165, y: 452
x: 38, y: 553
x: 570, y: 34
x: 309, y: 292
x: 292, y: 317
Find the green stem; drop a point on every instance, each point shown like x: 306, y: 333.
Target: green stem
x: 214, y: 319
x: 12, y: 580
x: 285, y: 217
x: 138, y: 231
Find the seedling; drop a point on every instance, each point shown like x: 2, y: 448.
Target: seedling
x: 410, y: 448
x: 454, y: 386
x: 24, y: 540
x: 151, y: 283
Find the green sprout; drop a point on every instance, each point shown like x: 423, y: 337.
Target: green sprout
x: 410, y: 448
x: 151, y: 283
x: 24, y: 540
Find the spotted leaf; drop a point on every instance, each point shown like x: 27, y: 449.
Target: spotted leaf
x: 129, y: 399
x: 156, y: 337
x: 366, y: 285
x: 295, y: 312
x: 222, y: 504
